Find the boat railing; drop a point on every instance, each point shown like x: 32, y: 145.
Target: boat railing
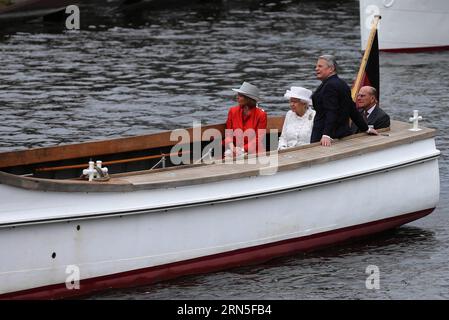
x: 112, y: 162
x: 139, y: 158
x: 122, y: 155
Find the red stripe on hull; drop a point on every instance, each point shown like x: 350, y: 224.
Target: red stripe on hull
x: 216, y: 262
x: 415, y: 50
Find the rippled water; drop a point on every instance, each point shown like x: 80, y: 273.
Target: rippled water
x: 138, y: 72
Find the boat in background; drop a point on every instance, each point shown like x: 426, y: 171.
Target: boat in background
x: 407, y: 25
x: 25, y: 9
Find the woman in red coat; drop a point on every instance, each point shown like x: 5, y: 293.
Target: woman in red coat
x: 246, y: 125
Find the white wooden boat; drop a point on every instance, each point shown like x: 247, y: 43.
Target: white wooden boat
x: 407, y: 25
x: 142, y: 225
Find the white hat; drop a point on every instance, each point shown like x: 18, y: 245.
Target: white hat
x: 247, y: 89
x: 299, y: 93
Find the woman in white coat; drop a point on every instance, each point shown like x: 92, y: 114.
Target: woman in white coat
x: 298, y: 122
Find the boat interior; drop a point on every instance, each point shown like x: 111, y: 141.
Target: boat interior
x: 146, y: 161
x: 131, y: 154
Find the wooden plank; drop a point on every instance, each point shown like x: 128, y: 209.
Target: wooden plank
x: 294, y: 158
x: 107, y: 163
x: 107, y: 147
x: 116, y: 185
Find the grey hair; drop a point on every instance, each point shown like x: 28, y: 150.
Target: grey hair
x: 331, y: 61
x: 373, y: 92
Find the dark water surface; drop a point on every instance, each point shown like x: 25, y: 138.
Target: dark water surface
x: 131, y: 73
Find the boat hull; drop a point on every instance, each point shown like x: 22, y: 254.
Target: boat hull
x: 32, y: 8
x: 407, y: 25
x: 199, y: 228
x: 217, y: 262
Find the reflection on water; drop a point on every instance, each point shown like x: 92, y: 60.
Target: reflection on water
x: 157, y: 68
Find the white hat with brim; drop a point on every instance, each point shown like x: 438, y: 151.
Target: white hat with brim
x: 248, y: 90
x: 299, y: 93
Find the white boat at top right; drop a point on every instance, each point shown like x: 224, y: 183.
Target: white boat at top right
x: 407, y: 25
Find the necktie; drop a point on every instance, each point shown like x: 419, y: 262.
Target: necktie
x: 365, y: 115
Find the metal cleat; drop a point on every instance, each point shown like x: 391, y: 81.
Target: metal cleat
x: 101, y: 172
x: 415, y: 120
x: 90, y: 172
x: 95, y: 171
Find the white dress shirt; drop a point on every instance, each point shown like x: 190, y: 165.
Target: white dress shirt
x: 296, y: 130
x: 368, y: 112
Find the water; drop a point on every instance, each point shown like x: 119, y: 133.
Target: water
x: 129, y: 74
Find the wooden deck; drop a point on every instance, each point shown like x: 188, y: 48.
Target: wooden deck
x: 204, y: 173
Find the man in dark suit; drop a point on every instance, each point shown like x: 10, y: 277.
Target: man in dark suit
x: 333, y: 104
x: 371, y: 112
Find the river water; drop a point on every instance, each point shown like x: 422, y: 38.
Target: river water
x: 135, y: 72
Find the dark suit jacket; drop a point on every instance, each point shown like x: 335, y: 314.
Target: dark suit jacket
x: 378, y: 118
x: 334, y: 106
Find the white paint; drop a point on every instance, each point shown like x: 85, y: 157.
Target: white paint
x: 95, y: 171
x: 388, y: 3
x: 90, y: 171
x: 370, y: 12
x: 406, y: 23
x: 415, y: 120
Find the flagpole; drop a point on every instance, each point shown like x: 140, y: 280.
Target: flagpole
x: 358, y: 80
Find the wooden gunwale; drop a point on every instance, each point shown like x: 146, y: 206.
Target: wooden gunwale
x: 107, y: 163
x: 197, y: 174
x: 107, y: 147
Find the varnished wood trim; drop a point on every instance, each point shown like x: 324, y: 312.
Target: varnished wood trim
x: 107, y: 163
x: 107, y: 147
x: 115, y: 185
x: 310, y: 155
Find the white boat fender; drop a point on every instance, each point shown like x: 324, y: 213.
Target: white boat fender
x: 95, y: 171
x: 415, y: 120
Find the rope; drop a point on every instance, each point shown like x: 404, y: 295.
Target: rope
x: 206, y: 154
x: 160, y: 161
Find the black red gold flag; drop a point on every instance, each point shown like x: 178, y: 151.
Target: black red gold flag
x: 369, y: 68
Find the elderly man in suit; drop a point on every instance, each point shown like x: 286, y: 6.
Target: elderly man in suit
x: 371, y: 112
x: 333, y: 105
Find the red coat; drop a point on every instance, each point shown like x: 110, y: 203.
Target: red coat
x: 246, y: 132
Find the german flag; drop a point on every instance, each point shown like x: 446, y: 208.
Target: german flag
x: 369, y: 68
